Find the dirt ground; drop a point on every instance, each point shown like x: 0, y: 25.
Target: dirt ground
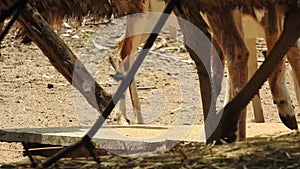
x: 33, y: 94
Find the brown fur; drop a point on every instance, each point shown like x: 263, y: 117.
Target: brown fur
x: 54, y: 11
x: 216, y: 5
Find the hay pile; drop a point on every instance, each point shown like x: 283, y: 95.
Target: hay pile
x: 275, y: 152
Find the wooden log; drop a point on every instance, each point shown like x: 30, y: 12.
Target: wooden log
x: 62, y: 58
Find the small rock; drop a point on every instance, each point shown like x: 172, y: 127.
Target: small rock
x: 66, y: 25
x: 65, y: 35
x: 75, y: 37
x: 50, y: 86
x: 69, y: 31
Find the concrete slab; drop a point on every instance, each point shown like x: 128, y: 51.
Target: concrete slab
x: 129, y: 139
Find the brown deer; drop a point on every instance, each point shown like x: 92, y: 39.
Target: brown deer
x: 130, y: 44
x: 227, y: 28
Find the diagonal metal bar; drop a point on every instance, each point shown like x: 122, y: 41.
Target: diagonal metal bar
x: 124, y: 85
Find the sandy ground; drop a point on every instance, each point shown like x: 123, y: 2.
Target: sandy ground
x: 34, y: 94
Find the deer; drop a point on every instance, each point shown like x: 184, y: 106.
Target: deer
x: 228, y: 28
x: 130, y: 44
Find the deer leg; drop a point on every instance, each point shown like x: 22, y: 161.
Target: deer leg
x: 253, y: 29
x: 193, y: 40
x: 128, y: 46
x: 124, y: 46
x: 135, y: 99
x: 238, y: 55
x: 237, y: 61
x: 277, y: 79
x: 252, y: 67
x: 133, y: 96
x: 230, y: 38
